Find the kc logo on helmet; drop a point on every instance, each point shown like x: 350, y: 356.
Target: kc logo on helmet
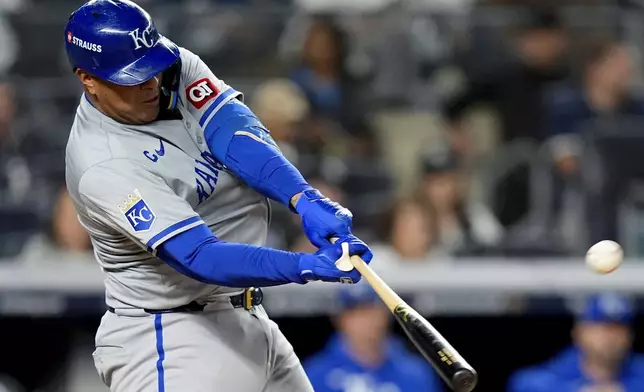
x: 200, y: 92
x: 142, y: 39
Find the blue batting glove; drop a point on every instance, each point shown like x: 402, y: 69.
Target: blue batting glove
x: 323, y: 218
x: 321, y: 265
x: 365, y: 254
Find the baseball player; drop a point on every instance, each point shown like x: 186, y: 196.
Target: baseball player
x: 171, y: 174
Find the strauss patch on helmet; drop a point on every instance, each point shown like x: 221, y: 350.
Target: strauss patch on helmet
x: 84, y: 44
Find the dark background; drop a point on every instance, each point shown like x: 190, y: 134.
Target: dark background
x: 33, y: 349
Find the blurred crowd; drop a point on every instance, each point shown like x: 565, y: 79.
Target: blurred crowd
x: 514, y: 132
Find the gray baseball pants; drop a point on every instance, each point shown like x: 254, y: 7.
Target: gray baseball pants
x: 222, y: 349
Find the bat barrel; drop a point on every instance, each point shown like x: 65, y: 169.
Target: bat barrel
x: 447, y: 362
x: 464, y: 380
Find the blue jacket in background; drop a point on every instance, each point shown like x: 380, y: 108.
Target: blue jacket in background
x: 333, y: 370
x: 568, y: 111
x: 563, y: 374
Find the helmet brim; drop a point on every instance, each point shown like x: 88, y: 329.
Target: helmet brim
x: 159, y: 58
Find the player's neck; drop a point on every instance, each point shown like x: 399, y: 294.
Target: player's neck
x: 111, y: 114
x: 599, y: 371
x: 367, y: 353
x: 97, y: 105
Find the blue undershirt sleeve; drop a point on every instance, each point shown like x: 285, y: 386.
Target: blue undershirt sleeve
x: 237, y: 138
x: 197, y: 253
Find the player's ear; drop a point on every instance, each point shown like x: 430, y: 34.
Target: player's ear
x: 88, y: 81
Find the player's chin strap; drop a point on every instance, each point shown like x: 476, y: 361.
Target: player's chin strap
x: 170, y: 86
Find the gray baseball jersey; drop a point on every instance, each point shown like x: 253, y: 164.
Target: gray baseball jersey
x: 134, y: 187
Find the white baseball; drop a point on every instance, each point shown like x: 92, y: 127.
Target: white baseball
x: 605, y: 256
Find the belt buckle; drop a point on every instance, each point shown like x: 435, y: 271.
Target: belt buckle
x: 252, y: 297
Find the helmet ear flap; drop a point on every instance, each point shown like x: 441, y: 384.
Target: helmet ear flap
x: 170, y: 86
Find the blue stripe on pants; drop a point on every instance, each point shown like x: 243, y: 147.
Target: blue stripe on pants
x: 159, y: 333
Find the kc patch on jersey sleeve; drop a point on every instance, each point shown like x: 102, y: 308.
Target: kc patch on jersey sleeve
x: 138, y: 214
x: 200, y: 92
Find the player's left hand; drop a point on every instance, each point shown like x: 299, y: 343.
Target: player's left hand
x: 322, y: 265
x: 322, y: 218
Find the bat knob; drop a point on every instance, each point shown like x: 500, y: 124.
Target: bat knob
x: 464, y: 380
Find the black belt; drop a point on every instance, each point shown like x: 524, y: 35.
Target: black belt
x: 249, y: 298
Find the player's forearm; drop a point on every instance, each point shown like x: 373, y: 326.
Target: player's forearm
x: 238, y: 140
x: 265, y: 169
x: 201, y: 256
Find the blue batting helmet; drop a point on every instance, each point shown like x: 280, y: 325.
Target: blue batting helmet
x: 608, y: 307
x: 117, y: 41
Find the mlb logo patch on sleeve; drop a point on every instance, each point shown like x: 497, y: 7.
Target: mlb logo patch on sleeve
x: 200, y: 92
x: 138, y: 214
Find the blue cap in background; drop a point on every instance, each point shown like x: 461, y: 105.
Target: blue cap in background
x: 350, y: 296
x: 608, y: 308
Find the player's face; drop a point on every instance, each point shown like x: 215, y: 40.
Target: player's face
x: 368, y: 324
x: 604, y: 342
x: 134, y: 105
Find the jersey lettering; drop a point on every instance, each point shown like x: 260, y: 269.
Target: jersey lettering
x: 207, y: 175
x: 200, y: 92
x: 159, y: 153
x: 142, y: 39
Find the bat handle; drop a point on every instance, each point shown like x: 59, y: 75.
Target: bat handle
x: 389, y: 297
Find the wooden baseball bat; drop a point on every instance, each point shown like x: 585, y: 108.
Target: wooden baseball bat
x: 448, y: 363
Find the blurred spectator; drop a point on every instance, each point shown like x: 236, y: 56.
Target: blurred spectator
x: 28, y: 162
x: 282, y: 107
x: 67, y: 232
x: 515, y: 90
x: 64, y: 239
x: 604, y: 92
x: 27, y: 171
x: 409, y: 232
x: 8, y: 38
x: 605, y: 116
x: 65, y: 235
x: 322, y: 72
x: 462, y: 225
x: 363, y: 355
x: 600, y: 359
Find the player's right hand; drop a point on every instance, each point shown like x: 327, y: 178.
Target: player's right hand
x: 321, y: 265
